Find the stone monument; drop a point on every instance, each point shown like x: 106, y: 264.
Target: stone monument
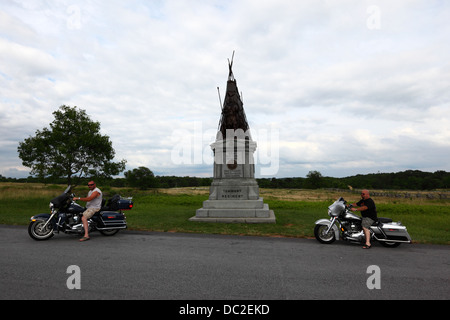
x: 234, y: 192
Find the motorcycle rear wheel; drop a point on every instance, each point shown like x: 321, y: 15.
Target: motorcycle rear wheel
x: 390, y: 244
x: 109, y: 233
x: 322, y: 236
x: 38, y: 233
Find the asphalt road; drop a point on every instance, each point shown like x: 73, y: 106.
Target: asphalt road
x: 145, y: 265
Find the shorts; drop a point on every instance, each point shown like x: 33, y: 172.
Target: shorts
x: 90, y: 212
x: 367, y: 222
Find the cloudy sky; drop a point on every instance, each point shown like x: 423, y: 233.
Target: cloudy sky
x: 342, y: 87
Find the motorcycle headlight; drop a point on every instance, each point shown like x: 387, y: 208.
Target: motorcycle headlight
x: 50, y: 205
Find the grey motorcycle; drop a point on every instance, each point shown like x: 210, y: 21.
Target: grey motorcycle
x: 344, y: 224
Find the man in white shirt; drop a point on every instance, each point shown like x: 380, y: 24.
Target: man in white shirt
x: 94, y: 203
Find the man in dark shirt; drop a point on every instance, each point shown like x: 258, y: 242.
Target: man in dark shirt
x: 368, y: 213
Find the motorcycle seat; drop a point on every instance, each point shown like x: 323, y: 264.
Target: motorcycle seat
x: 385, y: 220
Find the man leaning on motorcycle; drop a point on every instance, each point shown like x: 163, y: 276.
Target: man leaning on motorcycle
x: 93, y: 204
x: 368, y: 212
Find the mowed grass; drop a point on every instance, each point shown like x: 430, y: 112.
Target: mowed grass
x: 171, y: 213
x: 168, y: 210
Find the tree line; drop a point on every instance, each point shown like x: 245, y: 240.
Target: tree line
x: 404, y: 180
x: 144, y: 178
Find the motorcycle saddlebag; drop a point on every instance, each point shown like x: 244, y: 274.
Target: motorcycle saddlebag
x: 112, y: 219
x: 395, y: 231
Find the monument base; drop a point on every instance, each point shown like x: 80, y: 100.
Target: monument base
x: 234, y: 192
x: 270, y: 219
x: 240, y: 211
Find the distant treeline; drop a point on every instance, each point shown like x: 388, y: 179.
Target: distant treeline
x: 405, y: 180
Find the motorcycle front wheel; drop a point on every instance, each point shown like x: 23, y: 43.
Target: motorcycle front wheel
x: 37, y: 231
x: 321, y: 235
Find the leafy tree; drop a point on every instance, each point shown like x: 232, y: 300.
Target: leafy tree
x: 141, y: 177
x: 314, y: 179
x: 71, y: 147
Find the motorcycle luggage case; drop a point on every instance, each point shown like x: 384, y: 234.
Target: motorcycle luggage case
x: 125, y: 204
x: 118, y: 203
x: 113, y: 219
x: 395, y: 231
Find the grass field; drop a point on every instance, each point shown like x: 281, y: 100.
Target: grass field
x: 168, y: 210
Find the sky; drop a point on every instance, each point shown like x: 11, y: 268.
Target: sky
x: 341, y: 87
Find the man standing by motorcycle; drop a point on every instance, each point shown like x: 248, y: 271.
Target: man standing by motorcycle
x: 94, y: 203
x: 368, y: 212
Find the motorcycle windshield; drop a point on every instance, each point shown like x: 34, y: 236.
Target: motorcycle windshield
x: 336, y: 208
x: 60, y: 200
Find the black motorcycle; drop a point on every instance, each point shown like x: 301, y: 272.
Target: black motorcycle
x: 347, y: 225
x: 65, y: 216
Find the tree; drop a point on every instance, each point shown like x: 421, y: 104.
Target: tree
x: 141, y: 177
x: 314, y: 179
x: 72, y: 147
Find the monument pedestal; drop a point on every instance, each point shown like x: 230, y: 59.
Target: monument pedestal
x: 246, y: 211
x: 234, y: 192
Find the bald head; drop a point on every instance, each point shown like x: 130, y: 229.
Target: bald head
x: 365, y: 194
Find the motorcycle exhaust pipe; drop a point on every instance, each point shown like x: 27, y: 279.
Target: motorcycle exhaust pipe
x: 112, y: 228
x: 389, y: 240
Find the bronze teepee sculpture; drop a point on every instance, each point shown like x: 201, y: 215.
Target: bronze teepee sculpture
x: 233, y: 114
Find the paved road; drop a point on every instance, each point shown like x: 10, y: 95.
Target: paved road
x: 142, y: 265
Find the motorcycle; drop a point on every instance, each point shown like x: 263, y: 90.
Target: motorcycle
x: 347, y: 225
x: 65, y: 216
